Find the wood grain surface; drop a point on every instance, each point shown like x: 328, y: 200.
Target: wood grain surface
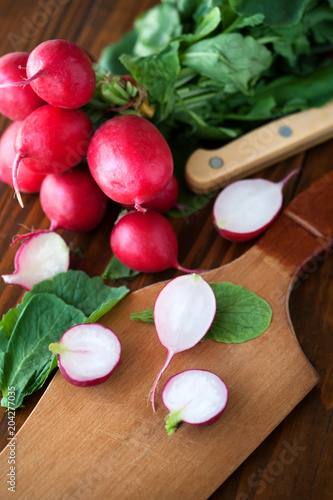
x: 307, y: 431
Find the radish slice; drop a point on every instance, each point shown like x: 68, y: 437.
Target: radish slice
x: 43, y: 255
x: 196, y: 397
x: 245, y: 208
x: 87, y: 354
x: 183, y: 313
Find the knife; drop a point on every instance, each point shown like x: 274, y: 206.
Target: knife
x: 209, y: 170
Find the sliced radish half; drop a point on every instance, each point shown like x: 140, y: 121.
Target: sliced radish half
x: 183, y: 313
x: 42, y: 255
x: 245, y: 208
x: 196, y: 397
x: 87, y: 354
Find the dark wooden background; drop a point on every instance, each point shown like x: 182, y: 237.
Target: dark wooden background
x: 308, y: 429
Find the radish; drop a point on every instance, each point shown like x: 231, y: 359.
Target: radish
x: 16, y: 103
x: 183, y: 313
x: 60, y: 73
x: 145, y: 242
x: 245, y: 208
x: 130, y: 160
x: 43, y: 255
x: 165, y: 200
x: 72, y: 200
x: 87, y: 354
x: 51, y: 140
x: 28, y: 181
x: 196, y: 397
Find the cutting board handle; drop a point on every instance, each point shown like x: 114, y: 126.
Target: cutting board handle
x: 304, y: 230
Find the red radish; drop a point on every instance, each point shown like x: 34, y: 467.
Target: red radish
x: 245, y: 208
x: 72, y: 200
x: 165, y: 200
x: 130, y: 160
x: 28, y: 181
x: 51, y: 140
x: 60, y: 73
x: 16, y: 103
x: 183, y: 313
x: 196, y: 397
x: 145, y: 242
x: 87, y: 354
x: 43, y: 255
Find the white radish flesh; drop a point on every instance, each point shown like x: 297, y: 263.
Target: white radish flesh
x: 183, y: 313
x: 245, y: 208
x: 197, y: 397
x: 87, y: 354
x: 43, y: 255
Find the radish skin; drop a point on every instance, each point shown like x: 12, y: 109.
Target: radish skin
x: 28, y: 181
x: 72, y: 200
x: 145, y: 242
x: 165, y: 200
x: 51, y: 140
x: 16, y: 103
x: 60, y: 73
x: 130, y: 160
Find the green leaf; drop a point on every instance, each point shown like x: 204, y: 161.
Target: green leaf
x: 206, y: 25
x: 109, y: 60
x: 116, y: 270
x: 157, y: 72
x: 240, y: 314
x: 253, y: 20
x: 153, y: 33
x: 184, y: 7
x: 281, y: 13
x: 90, y: 295
x: 27, y: 358
x: 45, y: 313
x: 229, y: 59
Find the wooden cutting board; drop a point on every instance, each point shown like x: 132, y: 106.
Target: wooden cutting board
x: 105, y: 442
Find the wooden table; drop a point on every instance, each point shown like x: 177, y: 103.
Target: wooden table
x: 307, y: 432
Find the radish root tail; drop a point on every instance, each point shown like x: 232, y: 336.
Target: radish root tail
x: 16, y: 165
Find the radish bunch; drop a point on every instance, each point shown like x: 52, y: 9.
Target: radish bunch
x: 128, y: 158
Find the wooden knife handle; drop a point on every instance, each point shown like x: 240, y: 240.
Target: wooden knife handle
x: 208, y: 170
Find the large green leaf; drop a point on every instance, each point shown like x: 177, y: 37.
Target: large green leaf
x: 153, y: 33
x: 277, y: 13
x: 109, y: 60
x: 157, y: 72
x: 27, y: 360
x: 229, y: 59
